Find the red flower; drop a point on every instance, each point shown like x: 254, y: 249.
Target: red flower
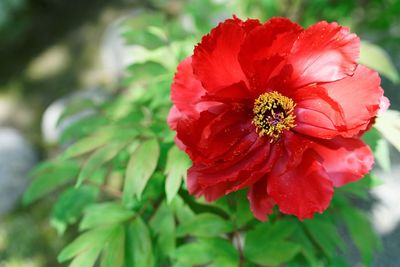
x: 275, y: 108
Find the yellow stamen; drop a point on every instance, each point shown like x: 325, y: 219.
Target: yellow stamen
x: 273, y: 114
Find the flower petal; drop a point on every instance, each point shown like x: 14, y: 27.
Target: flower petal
x: 215, y: 59
x: 186, y: 90
x: 243, y: 170
x: 214, y: 133
x: 261, y: 204
x: 360, y: 98
x: 344, y: 159
x: 265, y: 47
x: 303, y: 189
x: 317, y: 115
x: 324, y: 52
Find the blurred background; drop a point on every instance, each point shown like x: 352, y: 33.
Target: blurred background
x: 54, y: 51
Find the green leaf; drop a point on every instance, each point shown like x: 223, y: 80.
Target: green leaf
x: 324, y: 233
x: 176, y: 169
x: 113, y: 252
x: 141, y: 166
x: 87, y: 258
x: 361, y: 232
x: 104, y: 214
x: 99, y: 139
x: 163, y: 224
x: 388, y: 124
x: 70, y: 205
x: 204, y: 225
x: 49, y: 177
x: 382, y: 154
x: 98, y: 158
x: 139, y: 249
x: 376, y: 58
x: 271, y: 253
x: 243, y: 212
x: 181, y: 210
x: 86, y: 241
x: 219, y: 252
x: 266, y: 244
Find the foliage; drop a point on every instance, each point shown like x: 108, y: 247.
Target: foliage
x: 123, y: 179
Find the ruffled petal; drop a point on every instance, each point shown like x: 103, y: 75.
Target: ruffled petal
x: 243, y: 170
x: 265, y: 49
x: 261, y: 204
x: 344, y: 159
x: 187, y: 92
x: 360, y: 97
x: 214, y: 133
x: 215, y: 59
x: 324, y: 52
x: 317, y: 114
x: 303, y: 189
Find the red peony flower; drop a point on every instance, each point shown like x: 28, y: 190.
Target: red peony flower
x: 277, y: 109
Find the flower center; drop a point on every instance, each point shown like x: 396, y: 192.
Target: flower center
x: 273, y: 114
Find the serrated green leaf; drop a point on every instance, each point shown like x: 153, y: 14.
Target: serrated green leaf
x: 376, y: 58
x: 104, y: 214
x: 361, y: 232
x: 139, y: 250
x: 49, y: 177
x: 204, y: 225
x: 163, y: 224
x: 87, y: 240
x: 70, y: 205
x: 196, y: 253
x: 113, y: 253
x: 176, y: 169
x: 141, y: 166
x: 98, y: 158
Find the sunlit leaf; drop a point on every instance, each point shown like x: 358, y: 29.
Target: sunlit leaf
x: 141, y: 166
x: 388, y: 124
x: 378, y: 59
x: 98, y: 158
x: 104, y: 214
x: 205, y: 225
x: 176, y: 169
x: 86, y: 241
x: 49, y: 177
x: 70, y: 205
x: 139, y: 250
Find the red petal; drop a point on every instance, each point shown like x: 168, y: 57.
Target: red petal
x: 324, y: 52
x: 274, y: 39
x: 221, y: 178
x: 261, y: 204
x: 359, y: 96
x: 302, y: 190
x: 215, y: 59
x: 214, y: 133
x: 345, y: 159
x: 186, y: 90
x: 317, y: 115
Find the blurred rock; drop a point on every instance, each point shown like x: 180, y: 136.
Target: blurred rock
x: 17, y: 157
x: 115, y: 54
x: 51, y: 129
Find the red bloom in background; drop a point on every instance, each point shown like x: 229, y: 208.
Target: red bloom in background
x: 275, y: 108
